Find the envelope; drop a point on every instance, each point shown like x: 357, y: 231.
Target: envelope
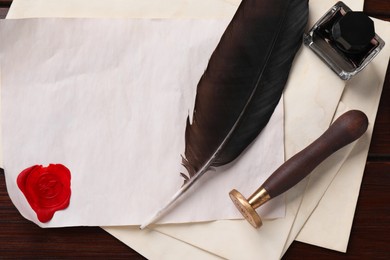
x: 126, y: 233
x: 334, y: 214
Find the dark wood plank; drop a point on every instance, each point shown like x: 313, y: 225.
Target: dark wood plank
x: 5, y: 3
x: 380, y: 143
x: 378, y: 8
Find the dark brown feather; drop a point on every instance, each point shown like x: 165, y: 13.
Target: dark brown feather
x: 244, y: 80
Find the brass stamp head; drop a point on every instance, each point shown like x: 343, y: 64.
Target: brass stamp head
x: 245, y: 208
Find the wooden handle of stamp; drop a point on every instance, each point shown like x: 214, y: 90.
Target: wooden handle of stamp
x: 346, y: 129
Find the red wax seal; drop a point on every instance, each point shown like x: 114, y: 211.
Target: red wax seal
x: 47, y: 189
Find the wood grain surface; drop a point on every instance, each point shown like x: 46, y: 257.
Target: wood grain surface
x: 370, y: 236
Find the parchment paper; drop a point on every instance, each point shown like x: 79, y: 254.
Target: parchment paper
x: 109, y: 99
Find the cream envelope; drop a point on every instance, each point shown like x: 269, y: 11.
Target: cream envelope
x: 339, y: 202
x: 38, y: 8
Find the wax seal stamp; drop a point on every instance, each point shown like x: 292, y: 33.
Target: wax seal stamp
x: 345, y: 40
x: 346, y: 129
x: 47, y: 189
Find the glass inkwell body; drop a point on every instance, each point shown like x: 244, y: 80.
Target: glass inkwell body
x: 345, y: 40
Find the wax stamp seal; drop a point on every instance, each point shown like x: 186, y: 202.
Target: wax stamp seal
x: 47, y: 189
x: 345, y: 40
x: 346, y: 129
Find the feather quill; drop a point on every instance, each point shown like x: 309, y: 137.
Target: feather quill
x: 244, y: 80
x: 241, y: 85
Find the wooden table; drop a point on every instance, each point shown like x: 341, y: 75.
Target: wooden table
x: 370, y: 236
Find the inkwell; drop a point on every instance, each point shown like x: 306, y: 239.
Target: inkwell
x: 345, y: 40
